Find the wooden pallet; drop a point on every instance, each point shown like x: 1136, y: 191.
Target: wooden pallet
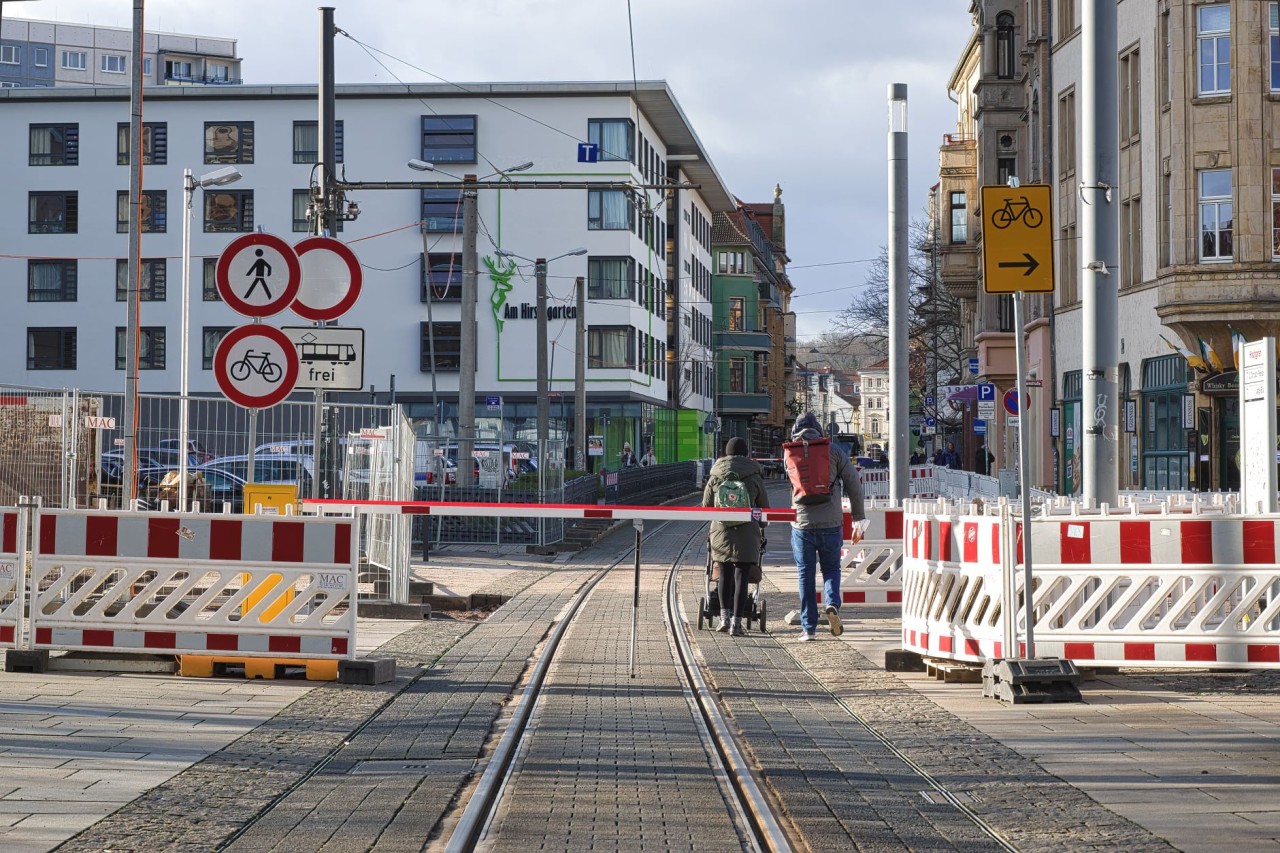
x: 951, y: 671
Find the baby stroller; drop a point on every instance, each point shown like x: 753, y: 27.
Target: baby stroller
x: 709, y: 604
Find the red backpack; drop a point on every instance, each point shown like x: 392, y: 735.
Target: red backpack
x: 808, y: 464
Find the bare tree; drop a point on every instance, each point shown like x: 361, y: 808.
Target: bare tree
x: 934, y: 332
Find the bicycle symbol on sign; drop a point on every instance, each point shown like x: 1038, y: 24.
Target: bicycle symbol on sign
x: 256, y: 362
x: 1015, y: 210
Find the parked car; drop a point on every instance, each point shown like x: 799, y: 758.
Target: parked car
x: 226, y: 476
x: 196, y: 454
x: 111, y: 463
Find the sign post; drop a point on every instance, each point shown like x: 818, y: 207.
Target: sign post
x: 1258, y: 427
x: 1017, y: 257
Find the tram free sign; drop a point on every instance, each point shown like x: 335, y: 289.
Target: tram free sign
x: 330, y: 358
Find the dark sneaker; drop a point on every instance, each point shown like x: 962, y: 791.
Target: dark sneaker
x: 833, y: 619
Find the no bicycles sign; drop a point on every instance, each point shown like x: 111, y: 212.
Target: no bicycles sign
x: 256, y: 366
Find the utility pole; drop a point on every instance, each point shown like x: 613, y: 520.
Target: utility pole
x: 130, y: 484
x: 324, y: 221
x: 899, y: 372
x: 580, y: 375
x: 1099, y: 256
x: 467, y: 337
x: 543, y: 388
x: 431, y: 331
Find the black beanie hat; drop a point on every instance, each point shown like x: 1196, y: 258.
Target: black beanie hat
x: 735, y: 446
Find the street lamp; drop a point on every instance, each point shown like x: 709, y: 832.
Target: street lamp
x: 543, y: 389
x: 216, y: 178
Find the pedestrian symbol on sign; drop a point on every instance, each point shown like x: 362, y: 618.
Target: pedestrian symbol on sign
x: 259, y: 270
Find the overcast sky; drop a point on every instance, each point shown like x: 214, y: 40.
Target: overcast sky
x: 790, y: 93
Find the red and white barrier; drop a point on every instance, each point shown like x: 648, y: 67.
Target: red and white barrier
x: 181, y: 583
x: 13, y: 534
x: 618, y: 512
x: 873, y: 566
x: 1166, y: 591
x: 923, y: 483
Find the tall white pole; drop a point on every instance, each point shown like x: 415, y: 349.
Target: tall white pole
x: 543, y: 383
x: 184, y: 424
x: 1099, y: 253
x: 899, y: 283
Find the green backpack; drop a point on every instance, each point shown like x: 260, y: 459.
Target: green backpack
x: 732, y: 494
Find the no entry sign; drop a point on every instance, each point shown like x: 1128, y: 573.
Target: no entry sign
x: 331, y: 279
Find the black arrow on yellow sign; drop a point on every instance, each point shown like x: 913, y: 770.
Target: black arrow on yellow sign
x: 1030, y: 264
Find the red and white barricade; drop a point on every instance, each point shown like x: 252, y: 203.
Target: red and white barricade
x: 13, y: 548
x: 1169, y: 591
x: 196, y: 584
x: 922, y: 483
x: 873, y: 566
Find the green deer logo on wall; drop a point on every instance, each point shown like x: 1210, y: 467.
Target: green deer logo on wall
x: 501, y: 275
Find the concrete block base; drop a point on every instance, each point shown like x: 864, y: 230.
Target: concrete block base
x: 390, y: 610
x: 367, y: 671
x: 21, y: 660
x: 901, y: 660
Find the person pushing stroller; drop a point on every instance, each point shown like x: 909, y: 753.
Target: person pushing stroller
x: 735, y: 480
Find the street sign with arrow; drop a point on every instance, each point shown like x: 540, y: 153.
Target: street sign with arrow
x: 1017, y: 239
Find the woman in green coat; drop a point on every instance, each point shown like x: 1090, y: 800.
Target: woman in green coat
x: 735, y: 549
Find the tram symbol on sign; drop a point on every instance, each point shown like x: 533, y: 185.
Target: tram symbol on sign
x: 1013, y: 211
x: 310, y: 350
x: 256, y: 362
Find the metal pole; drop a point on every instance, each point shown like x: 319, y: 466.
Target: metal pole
x: 184, y: 422
x: 1099, y: 221
x: 253, y: 442
x: 580, y: 375
x: 1024, y: 466
x: 325, y: 221
x: 129, y: 482
x: 899, y: 283
x: 635, y: 599
x: 544, y: 390
x: 431, y: 331
x: 467, y: 337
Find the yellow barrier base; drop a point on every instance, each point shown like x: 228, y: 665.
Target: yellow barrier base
x: 225, y: 666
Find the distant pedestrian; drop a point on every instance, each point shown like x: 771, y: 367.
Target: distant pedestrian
x: 735, y: 547
x: 951, y: 458
x: 628, y: 458
x: 982, y: 459
x: 816, y: 532
x: 648, y: 458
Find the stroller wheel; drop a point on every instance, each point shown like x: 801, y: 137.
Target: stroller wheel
x: 763, y: 612
x: 702, y: 612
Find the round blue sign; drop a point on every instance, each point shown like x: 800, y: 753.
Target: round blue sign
x: 1011, y: 401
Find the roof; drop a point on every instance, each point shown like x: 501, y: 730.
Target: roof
x: 653, y: 97
x: 726, y: 230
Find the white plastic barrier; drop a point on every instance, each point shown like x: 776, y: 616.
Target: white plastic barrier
x: 873, y: 567
x: 1172, y: 591
x: 13, y: 535
x: 923, y: 482
x: 184, y: 583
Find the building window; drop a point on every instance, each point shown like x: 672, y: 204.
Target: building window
x: 146, y: 65
x: 609, y: 210
x: 611, y: 346
x: 762, y: 373
x: 1164, y: 457
x: 76, y: 60
x: 1006, y: 167
x: 1213, y: 36
x: 53, y: 213
x: 209, y: 281
x: 51, y: 349
x: 1066, y: 18
x: 611, y: 278
x: 616, y: 138
x: 1275, y: 214
x: 737, y: 314
x: 1006, y: 56
x: 732, y: 263
x: 449, y: 139
x: 306, y: 141
x: 442, y: 281
x: 301, y: 206
x: 155, y: 143
x: 40, y: 57
x: 113, y: 63
x: 1067, y: 134
x: 150, y: 348
x: 1215, y: 215
x: 152, y: 287
x: 442, y: 211
x: 228, y: 142
x: 959, y: 218
x: 228, y: 211
x: 10, y: 54
x: 52, y: 280
x: 1166, y: 59
x: 1130, y: 97
x: 210, y: 337
x: 737, y: 375
x: 218, y: 73
x: 177, y: 69
x: 1166, y: 247
x: 1273, y: 28
x: 1068, y: 265
x: 446, y: 340
x: 54, y: 145
x: 1131, y: 240
x: 152, y: 212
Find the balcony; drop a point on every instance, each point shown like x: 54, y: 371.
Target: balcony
x: 1211, y: 300
x: 757, y: 341
x: 200, y: 80
x: 743, y: 404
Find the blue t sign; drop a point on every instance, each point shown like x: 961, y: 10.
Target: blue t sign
x: 588, y: 152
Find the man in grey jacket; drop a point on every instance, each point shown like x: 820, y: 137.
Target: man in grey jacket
x: 816, y: 534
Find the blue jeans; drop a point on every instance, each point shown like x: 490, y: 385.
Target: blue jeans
x: 812, y: 548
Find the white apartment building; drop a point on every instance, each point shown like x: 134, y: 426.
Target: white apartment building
x: 48, y: 53
x: 64, y: 242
